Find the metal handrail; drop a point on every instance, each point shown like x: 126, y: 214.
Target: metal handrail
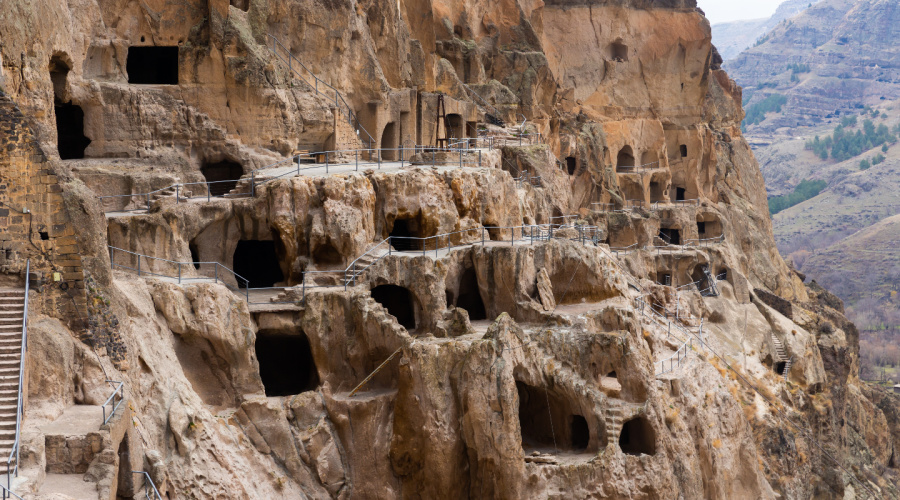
x: 296, y: 160
x: 7, y: 491
x: 338, y: 98
x: 675, y: 359
x: 14, y: 452
x: 587, y: 234
x: 494, y: 110
x: 119, y: 389
x: 152, y: 485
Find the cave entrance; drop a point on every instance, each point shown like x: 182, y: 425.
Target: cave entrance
x: 222, y: 177
x: 469, y: 296
x: 70, y: 139
x: 571, y: 164
x: 399, y: 303
x: 779, y: 367
x: 579, y: 432
x: 455, y: 126
x: 124, y: 476
x: 618, y: 51
x: 625, y: 158
x: 257, y: 262
x: 708, y: 226
x: 657, y: 191
x: 150, y: 65
x: 683, y: 150
x: 544, y: 412
x: 389, y: 142
x: 698, y: 276
x: 670, y: 236
x: 404, y: 236
x: 195, y: 254
x: 638, y: 437
x: 286, y: 364
x: 666, y: 280
x: 679, y: 193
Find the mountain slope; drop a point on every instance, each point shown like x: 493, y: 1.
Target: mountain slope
x: 844, y: 54
x: 733, y: 37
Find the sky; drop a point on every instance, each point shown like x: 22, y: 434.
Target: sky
x: 719, y: 11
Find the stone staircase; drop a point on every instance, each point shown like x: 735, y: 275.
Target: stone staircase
x: 782, y: 356
x: 12, y: 310
x: 614, y: 419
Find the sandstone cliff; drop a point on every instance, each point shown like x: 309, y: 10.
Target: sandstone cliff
x: 503, y: 340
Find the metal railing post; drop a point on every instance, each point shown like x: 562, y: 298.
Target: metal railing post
x: 179, y: 273
x: 326, y: 162
x: 139, y: 264
x: 252, y: 184
x: 112, y: 261
x: 479, y: 157
x: 357, y: 160
x: 208, y: 196
x: 460, y: 158
x: 176, y: 194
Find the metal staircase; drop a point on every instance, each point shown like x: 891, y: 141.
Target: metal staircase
x: 13, y: 343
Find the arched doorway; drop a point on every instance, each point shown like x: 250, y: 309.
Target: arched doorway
x: 389, y: 142
x: 625, y: 158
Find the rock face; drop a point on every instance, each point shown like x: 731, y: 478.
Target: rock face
x: 598, y: 312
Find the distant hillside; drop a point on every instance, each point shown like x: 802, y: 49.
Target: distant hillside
x: 830, y: 60
x: 734, y: 37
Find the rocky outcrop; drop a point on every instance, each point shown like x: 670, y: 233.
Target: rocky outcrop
x: 477, y: 350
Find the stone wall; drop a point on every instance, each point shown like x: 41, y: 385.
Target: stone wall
x: 34, y: 221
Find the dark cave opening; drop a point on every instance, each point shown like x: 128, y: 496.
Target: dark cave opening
x: 625, y: 158
x: 579, y: 432
x: 257, y: 262
x: 638, y: 437
x: 404, y: 237
x: 221, y: 176
x: 547, y: 420
x: 195, y: 254
x: 571, y: 164
x: 469, y: 297
x: 286, y: 364
x: 151, y: 65
x: 399, y: 303
x: 670, y: 236
x: 71, y: 141
x: 679, y: 194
